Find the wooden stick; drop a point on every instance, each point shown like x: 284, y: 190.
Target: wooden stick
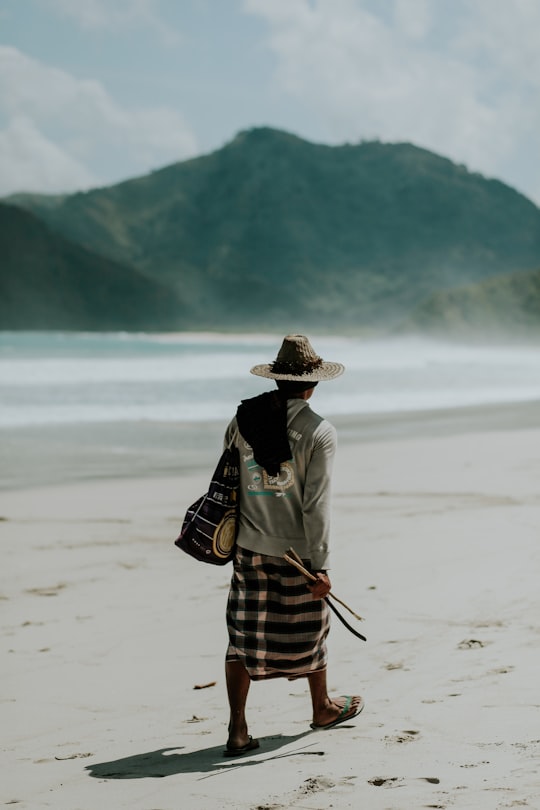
x: 297, y: 562
x: 308, y: 575
x: 297, y: 557
x: 336, y: 599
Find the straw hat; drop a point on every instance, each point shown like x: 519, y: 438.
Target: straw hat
x: 297, y: 361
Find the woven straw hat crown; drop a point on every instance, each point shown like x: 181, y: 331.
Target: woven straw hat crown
x: 297, y: 360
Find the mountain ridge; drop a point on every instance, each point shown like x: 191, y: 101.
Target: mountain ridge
x: 272, y: 229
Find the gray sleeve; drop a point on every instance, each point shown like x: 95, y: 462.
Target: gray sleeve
x: 317, y: 495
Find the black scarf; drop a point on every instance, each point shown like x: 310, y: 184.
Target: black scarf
x: 262, y: 421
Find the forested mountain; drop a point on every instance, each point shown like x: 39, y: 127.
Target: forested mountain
x: 275, y: 231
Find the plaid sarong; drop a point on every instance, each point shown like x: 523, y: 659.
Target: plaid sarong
x: 276, y: 629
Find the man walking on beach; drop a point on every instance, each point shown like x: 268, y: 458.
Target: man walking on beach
x: 278, y: 624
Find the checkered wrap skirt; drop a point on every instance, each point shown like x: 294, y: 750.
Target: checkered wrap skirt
x: 276, y: 629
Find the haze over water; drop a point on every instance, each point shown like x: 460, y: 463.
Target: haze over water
x: 70, y: 378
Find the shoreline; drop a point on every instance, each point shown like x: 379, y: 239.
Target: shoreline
x: 37, y: 456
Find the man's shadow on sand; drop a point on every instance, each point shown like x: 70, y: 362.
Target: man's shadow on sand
x: 170, y: 761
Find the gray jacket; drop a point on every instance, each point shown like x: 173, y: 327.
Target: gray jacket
x: 293, y: 508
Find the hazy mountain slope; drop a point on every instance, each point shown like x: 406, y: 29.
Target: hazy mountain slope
x: 272, y: 229
x: 507, y: 306
x: 46, y: 282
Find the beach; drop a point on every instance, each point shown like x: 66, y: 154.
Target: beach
x: 113, y: 641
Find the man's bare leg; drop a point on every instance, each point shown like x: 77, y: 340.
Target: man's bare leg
x: 238, y: 683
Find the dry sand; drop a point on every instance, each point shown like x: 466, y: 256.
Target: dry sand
x: 106, y: 628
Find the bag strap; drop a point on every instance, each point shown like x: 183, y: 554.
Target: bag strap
x: 232, y: 440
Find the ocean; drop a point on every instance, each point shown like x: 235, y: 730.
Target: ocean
x: 58, y: 378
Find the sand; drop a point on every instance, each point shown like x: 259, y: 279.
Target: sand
x: 106, y: 628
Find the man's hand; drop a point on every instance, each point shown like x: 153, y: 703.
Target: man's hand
x: 321, y: 588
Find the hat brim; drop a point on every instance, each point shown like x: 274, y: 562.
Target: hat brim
x: 326, y: 371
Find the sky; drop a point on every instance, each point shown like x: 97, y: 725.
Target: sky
x: 93, y: 92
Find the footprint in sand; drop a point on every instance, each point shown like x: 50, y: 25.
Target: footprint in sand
x: 475, y: 764
x: 314, y: 785
x: 470, y: 644
x: 53, y: 590
x: 396, y: 665
x: 386, y: 781
x: 269, y: 807
x: 404, y: 737
x: 394, y: 781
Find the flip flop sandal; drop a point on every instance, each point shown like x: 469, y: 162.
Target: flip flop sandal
x: 343, y: 715
x: 251, y: 745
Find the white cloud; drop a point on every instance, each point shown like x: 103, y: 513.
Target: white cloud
x: 115, y: 15
x: 505, y: 34
x: 413, y: 17
x: 462, y: 79
x: 77, y: 129
x: 29, y: 161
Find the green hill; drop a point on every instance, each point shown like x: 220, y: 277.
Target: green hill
x: 274, y: 231
x: 46, y: 282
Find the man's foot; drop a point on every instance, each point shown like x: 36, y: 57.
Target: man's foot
x: 338, y: 711
x: 237, y: 751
